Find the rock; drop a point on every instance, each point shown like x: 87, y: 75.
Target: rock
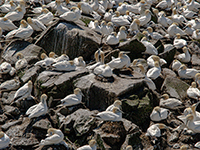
x: 31, y: 73
x: 173, y: 137
x: 168, y: 56
x: 95, y: 90
x: 10, y: 124
x: 7, y: 97
x: 43, y: 124
x: 3, y: 119
x: 168, y: 72
x: 56, y: 84
x: 135, y: 47
x: 26, y: 104
x: 175, y: 87
x: 11, y: 110
x: 111, y: 134
x: 71, y: 39
x: 130, y: 127
x: 195, y: 59
x: 68, y: 110
x: 30, y: 51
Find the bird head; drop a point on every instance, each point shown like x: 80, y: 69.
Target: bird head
x: 155, y: 11
x: 147, y: 12
x: 30, y: 84
x: 185, y: 49
x: 103, y: 23
x: 120, y: 3
x: 161, y: 126
x: 155, y: 58
x: 92, y: 143
x: 22, y: 2
x: 110, y: 24
x: 43, y: 98
x: 45, y: 10
x: 43, y: 56
x: 51, y: 131
x: 52, y: 54
x: 79, y: 5
x: 114, y: 34
x: 11, y: 3
x: 157, y: 108
x: 117, y: 103
x: 141, y: 68
x: 156, y: 64
x: 23, y: 23
x: 77, y: 91
x: 150, y: 29
x: 179, y: 4
x: 197, y: 76
x: 1, y: 134
x: 184, y: 147
x: 178, y: 36
x: 129, y: 147
x: 58, y: 2
x: 74, y: 8
x: 137, y: 21
x: 183, y: 67
x: 5, y: 19
x: 193, y: 84
x: 127, y: 13
x: 71, y: 62
x: 189, y: 25
x: 67, y: 1
x: 189, y: 117
x: 18, y: 9
x: 80, y: 58
x: 117, y: 13
x: 19, y: 55
x: 165, y: 96
x: 122, y: 28
x: 142, y: 1
x: 29, y: 20
x: 145, y: 33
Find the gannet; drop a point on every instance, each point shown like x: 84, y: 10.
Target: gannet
x: 164, y: 4
x: 196, y: 34
x: 117, y: 104
x: 178, y: 42
x: 176, y: 65
x: 154, y: 130
x: 112, y: 39
x: 109, y: 4
x: 72, y: 99
x: 46, y: 16
x: 63, y: 57
x: 104, y: 3
x: 147, y: 80
x: 169, y: 102
x: 154, y: 72
x: 188, y: 13
x: 184, y: 57
x: 7, y: 7
x: 197, y: 79
x: 108, y: 15
x: 123, y: 60
x: 23, y: 32
x: 46, y: 61
x: 64, y: 66
x: 146, y: 18
x: 10, y: 85
x: 36, y: 24
x: 98, y: 62
x: 7, y: 24
x: 115, y: 115
x: 22, y: 5
x: 55, y: 136
x: 4, y: 140
x: 85, y: 7
x: 173, y: 30
x: 191, y: 124
x: 23, y: 92
x: 95, y: 5
x: 5, y: 68
x: 61, y: 9
x: 38, y: 109
x: 15, y: 15
x: 154, y: 35
x: 110, y: 27
x: 180, y: 19
x: 95, y: 26
x: 21, y: 62
x: 79, y: 62
x: 151, y: 59
x: 103, y: 28
x: 164, y: 21
x: 122, y: 8
x: 159, y: 114
x: 189, y: 30
x: 121, y: 35
x: 187, y: 73
x: 72, y: 15
x: 150, y: 48
x: 103, y: 70
x: 192, y: 5
x: 91, y: 146
x: 134, y: 26
x: 193, y: 91
x: 119, y: 20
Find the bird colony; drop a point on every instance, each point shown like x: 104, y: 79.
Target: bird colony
x: 141, y: 100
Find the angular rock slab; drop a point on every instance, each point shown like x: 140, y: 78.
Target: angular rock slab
x: 99, y: 95
x: 30, y: 51
x: 71, y: 39
x: 175, y: 87
x: 57, y: 84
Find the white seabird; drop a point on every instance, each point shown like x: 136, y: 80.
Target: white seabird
x: 21, y: 62
x: 79, y: 62
x: 169, y: 102
x: 185, y: 57
x: 46, y: 16
x: 7, y: 24
x: 95, y: 26
x: 91, y: 146
x: 119, y: 20
x: 151, y: 59
x: 178, y: 42
x: 46, y: 61
x: 4, y: 140
x: 110, y: 27
x: 187, y: 73
x: 150, y: 48
x: 176, y: 65
x: 154, y: 130
x: 159, y: 114
x: 121, y: 35
x: 64, y: 66
x: 193, y: 91
x: 36, y: 24
x: 72, y: 15
x: 10, y: 85
x: 7, y: 7
x: 154, y: 72
x: 104, y: 29
x: 112, y: 39
x: 38, y: 109
x: 61, y: 9
x: 191, y: 124
x: 15, y: 15
x: 154, y: 35
x: 196, y: 34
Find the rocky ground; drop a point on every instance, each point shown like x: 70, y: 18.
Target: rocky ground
x: 76, y: 122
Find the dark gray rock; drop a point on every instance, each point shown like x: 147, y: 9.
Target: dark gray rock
x: 30, y: 51
x: 175, y: 87
x: 99, y: 95
x: 7, y: 97
x: 168, y: 72
x: 43, y: 124
x: 168, y: 56
x: 11, y: 110
x: 195, y: 59
x: 71, y: 39
x: 10, y: 124
x: 3, y: 118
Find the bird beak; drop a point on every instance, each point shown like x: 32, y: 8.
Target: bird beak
x: 126, y: 52
x: 159, y: 114
x: 82, y: 94
x: 47, y: 134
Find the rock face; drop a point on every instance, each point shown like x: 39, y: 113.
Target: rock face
x: 99, y: 95
x: 71, y: 39
x: 30, y: 51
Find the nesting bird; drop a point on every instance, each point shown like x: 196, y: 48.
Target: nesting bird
x: 185, y: 57
x: 187, y: 73
x: 91, y: 146
x: 154, y: 72
x: 169, y: 102
x: 10, y: 85
x: 36, y: 24
x: 154, y: 130
x: 121, y: 35
x: 159, y: 113
x: 193, y: 91
x: 21, y: 62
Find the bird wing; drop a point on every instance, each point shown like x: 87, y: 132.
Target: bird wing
x: 38, y: 111
x: 21, y: 92
x: 39, y: 24
x: 30, y: 110
x: 52, y: 139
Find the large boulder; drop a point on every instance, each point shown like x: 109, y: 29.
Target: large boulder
x: 71, y: 39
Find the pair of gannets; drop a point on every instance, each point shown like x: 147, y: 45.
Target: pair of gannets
x: 116, y: 103
x: 8, y: 7
x: 10, y: 85
x: 185, y: 57
x: 4, y: 140
x: 46, y: 61
x: 38, y: 109
x: 72, y: 99
x: 95, y: 26
x: 159, y: 114
x: 64, y: 66
x: 178, y: 42
x: 154, y: 130
x: 36, y: 24
x: 6, y: 24
x: 98, y: 62
x: 61, y: 9
x: 21, y: 62
x: 79, y: 62
x: 15, y: 15
x: 114, y: 115
x: 169, y: 102
x: 122, y: 61
x: 187, y: 73
x: 72, y: 15
x: 55, y: 136
x: 46, y: 16
x: 92, y: 146
x: 119, y: 20
x: 23, y: 32
x: 23, y: 92
x: 6, y: 68
x: 150, y: 48
x: 193, y: 91
x: 151, y: 60
x: 154, y: 72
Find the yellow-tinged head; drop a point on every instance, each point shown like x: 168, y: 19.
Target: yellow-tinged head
x: 18, y: 8
x: 185, y: 49
x: 127, y: 12
x: 71, y: 62
x: 43, y: 98
x: 80, y: 58
x: 165, y: 96
x: 1, y: 134
x: 141, y: 68
x: 52, y: 54
x: 189, y: 117
x: 19, y: 55
x: 161, y: 126
x: 145, y: 33
x: 103, y: 23
x: 79, y: 5
x: 197, y: 76
x: 122, y: 28
x: 129, y: 147
x: 77, y: 91
x: 150, y: 29
x: 117, y: 13
x: 45, y: 10
x: 29, y: 20
x: 155, y: 11
x: 115, y: 109
x: 184, y: 147
x: 147, y: 11
x: 92, y: 142
x: 109, y: 24
x: 156, y: 64
x: 142, y: 1
x: 137, y: 21
x: 193, y: 84
x: 120, y: 3
x: 117, y: 103
x: 157, y: 108
x: 30, y: 84
x: 155, y: 58
x: 5, y: 19
x: 43, y: 56
x: 183, y: 67
x: 178, y: 36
